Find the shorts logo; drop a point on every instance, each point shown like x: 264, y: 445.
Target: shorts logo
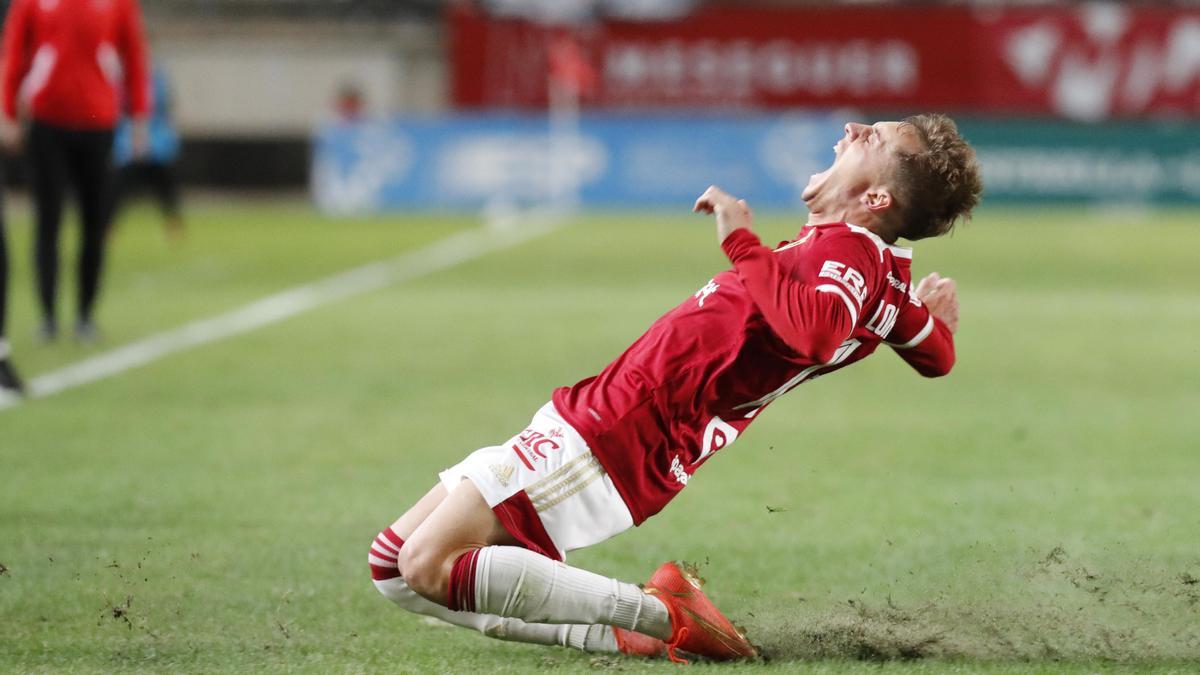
x: 536, y: 444
x: 503, y: 473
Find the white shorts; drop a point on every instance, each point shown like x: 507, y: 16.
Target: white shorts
x: 546, y: 486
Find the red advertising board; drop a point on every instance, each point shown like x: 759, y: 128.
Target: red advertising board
x: 1095, y: 61
x: 1090, y: 61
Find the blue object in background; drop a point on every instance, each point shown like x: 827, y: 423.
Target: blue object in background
x: 611, y: 161
x: 640, y: 161
x: 164, y: 141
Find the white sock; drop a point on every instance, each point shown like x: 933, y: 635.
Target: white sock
x: 5, y: 350
x: 585, y: 638
x: 596, y: 638
x: 515, y: 582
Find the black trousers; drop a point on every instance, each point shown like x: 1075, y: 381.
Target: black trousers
x: 157, y: 177
x: 59, y: 157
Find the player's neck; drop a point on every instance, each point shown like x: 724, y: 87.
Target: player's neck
x: 819, y: 215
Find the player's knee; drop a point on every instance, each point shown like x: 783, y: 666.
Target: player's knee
x: 418, y: 567
x: 424, y: 571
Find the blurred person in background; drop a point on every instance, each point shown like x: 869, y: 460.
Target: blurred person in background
x: 349, y: 104
x: 63, y: 62
x: 155, y: 168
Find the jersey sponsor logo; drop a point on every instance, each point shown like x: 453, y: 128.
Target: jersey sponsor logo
x: 851, y: 278
x: 707, y: 290
x: 677, y: 471
x: 896, y: 283
x: 717, y: 435
x: 884, y: 319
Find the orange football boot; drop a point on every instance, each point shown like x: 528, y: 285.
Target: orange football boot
x: 637, y: 644
x: 697, y: 625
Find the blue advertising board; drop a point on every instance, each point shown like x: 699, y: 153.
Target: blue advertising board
x: 643, y: 161
x: 608, y: 161
x: 1129, y: 162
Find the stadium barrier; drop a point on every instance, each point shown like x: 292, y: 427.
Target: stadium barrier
x: 1084, y: 61
x: 639, y: 161
x: 613, y: 161
x: 1113, y: 162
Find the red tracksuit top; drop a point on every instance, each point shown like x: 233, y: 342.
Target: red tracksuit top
x: 65, y: 58
x: 705, y: 370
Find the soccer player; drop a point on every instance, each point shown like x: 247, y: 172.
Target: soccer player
x: 485, y: 547
x: 155, y: 168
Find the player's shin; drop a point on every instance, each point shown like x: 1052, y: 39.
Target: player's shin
x: 515, y: 582
x: 386, y: 576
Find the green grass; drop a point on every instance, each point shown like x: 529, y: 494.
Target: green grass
x: 1037, y: 511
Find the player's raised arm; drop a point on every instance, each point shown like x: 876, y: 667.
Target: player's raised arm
x: 924, y: 332
x: 809, y: 321
x: 732, y: 213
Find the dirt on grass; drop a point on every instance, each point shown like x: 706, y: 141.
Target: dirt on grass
x: 1066, y: 612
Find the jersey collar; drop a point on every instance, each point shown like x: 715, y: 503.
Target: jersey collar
x: 896, y: 251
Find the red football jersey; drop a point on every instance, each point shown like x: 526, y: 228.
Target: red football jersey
x: 68, y: 57
x: 705, y: 370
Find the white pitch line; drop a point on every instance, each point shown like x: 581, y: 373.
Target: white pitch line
x: 440, y: 255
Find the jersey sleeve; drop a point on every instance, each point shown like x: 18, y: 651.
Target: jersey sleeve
x: 922, y: 340
x: 132, y: 46
x: 16, y: 55
x: 811, y: 321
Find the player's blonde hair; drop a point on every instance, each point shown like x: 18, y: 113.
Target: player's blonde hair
x: 939, y: 185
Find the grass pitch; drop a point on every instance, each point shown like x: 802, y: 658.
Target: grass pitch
x: 1037, y: 510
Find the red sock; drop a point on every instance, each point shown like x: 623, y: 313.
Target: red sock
x: 460, y: 591
x: 382, y: 558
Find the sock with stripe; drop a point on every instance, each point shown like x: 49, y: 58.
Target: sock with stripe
x: 386, y: 575
x: 514, y: 582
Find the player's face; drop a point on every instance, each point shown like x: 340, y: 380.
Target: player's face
x: 863, y: 159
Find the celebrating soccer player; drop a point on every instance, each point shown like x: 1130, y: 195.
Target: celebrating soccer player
x: 485, y: 547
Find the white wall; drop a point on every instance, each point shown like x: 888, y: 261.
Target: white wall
x: 270, y: 78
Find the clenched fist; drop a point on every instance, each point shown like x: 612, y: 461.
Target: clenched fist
x: 732, y: 213
x: 940, y: 297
